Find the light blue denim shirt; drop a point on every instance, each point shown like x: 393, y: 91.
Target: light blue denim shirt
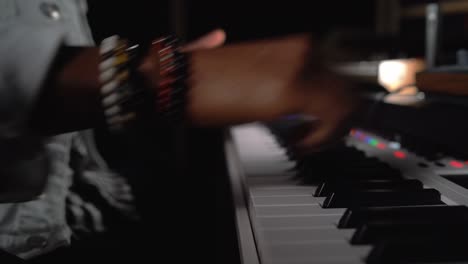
x: 31, y: 31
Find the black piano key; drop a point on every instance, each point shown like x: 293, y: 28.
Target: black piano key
x: 339, y: 150
x: 347, y: 199
x: 354, y: 217
x: 349, y: 171
x: 354, y: 159
x: 328, y: 187
x: 319, y: 176
x: 307, y: 168
x: 373, y: 232
x: 346, y: 157
x: 345, y: 164
x: 420, y: 251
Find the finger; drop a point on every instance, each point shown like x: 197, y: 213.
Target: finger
x: 326, y: 134
x: 297, y: 128
x: 211, y: 40
x: 315, y: 137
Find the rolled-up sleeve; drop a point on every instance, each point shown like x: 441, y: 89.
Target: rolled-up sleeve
x: 26, y: 53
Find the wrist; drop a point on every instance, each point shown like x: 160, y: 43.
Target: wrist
x: 253, y: 81
x: 164, y: 73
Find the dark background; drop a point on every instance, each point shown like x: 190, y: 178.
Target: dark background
x: 242, y: 20
x: 245, y: 20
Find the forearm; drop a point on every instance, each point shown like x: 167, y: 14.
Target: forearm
x: 255, y: 81
x: 69, y: 99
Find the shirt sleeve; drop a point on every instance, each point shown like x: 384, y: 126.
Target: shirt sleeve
x: 26, y: 53
x: 27, y: 49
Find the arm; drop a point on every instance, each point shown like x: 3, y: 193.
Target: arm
x: 255, y: 81
x: 265, y: 80
x: 69, y: 99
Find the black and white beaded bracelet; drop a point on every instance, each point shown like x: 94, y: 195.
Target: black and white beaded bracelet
x: 119, y: 97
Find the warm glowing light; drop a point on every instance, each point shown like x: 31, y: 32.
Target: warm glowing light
x: 394, y: 74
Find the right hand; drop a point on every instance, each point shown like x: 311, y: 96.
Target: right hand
x: 266, y: 80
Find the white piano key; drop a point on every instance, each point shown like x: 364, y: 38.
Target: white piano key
x: 286, y: 200
x: 270, y: 171
x: 317, y: 250
x: 327, y: 260
x: 298, y: 221
x: 260, y: 192
x: 272, y: 181
x: 316, y: 234
x: 289, y: 185
x: 273, y: 176
x: 284, y: 187
x: 313, y: 209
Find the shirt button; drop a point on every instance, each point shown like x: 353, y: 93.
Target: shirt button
x: 36, y: 241
x: 50, y: 10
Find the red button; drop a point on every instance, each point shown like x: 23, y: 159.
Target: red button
x: 399, y: 154
x: 381, y: 146
x: 456, y: 164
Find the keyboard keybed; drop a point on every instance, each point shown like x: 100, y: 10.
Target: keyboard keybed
x: 342, y: 206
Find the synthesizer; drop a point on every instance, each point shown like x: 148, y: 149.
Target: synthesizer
x: 367, y: 200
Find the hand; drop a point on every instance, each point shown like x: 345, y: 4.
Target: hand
x: 330, y: 100
x: 211, y: 40
x: 266, y: 80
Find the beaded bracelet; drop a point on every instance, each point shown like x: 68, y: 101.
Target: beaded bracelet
x: 126, y: 100
x: 121, y: 99
x: 171, y: 93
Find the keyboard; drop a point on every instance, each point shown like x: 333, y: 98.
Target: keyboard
x: 366, y: 200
